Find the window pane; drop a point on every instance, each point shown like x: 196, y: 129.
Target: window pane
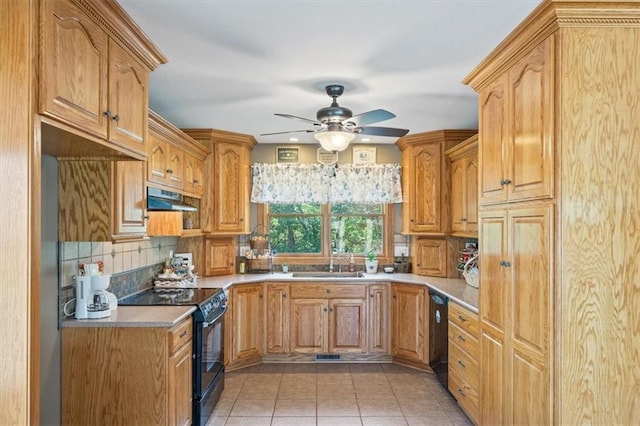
x: 355, y: 209
x: 357, y: 234
x: 295, y: 234
x: 304, y: 208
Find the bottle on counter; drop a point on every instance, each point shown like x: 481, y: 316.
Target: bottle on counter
x: 352, y: 264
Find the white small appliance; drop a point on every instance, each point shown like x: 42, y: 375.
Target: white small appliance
x: 92, y: 301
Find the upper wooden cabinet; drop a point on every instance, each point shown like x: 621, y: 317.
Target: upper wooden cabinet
x: 516, y: 151
x: 220, y: 255
x: 228, y: 179
x: 463, y: 160
x: 175, y: 160
x: 425, y: 177
x: 101, y: 200
x: 93, y: 78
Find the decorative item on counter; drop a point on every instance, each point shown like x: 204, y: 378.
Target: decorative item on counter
x: 389, y: 269
x: 371, y: 262
x: 241, y: 267
x: 91, y: 268
x: 285, y: 268
x: 402, y: 265
x: 470, y: 272
x: 352, y: 264
x: 260, y: 256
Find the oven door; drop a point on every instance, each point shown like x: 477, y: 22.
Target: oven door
x: 208, y: 371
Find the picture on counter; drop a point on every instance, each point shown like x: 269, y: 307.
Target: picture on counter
x: 364, y: 155
x: 287, y: 155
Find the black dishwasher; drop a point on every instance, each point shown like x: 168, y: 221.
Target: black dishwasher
x: 438, y: 340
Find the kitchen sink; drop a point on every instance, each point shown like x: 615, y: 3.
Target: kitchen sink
x: 321, y: 274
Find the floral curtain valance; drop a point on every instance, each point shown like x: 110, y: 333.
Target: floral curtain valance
x: 319, y: 183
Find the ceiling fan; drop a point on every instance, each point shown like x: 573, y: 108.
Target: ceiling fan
x: 336, y: 126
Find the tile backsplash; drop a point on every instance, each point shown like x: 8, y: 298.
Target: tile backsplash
x: 117, y: 258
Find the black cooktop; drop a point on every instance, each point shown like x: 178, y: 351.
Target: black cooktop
x: 183, y: 296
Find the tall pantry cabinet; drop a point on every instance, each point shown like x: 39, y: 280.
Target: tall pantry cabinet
x: 558, y: 201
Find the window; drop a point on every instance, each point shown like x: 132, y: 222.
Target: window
x: 299, y: 231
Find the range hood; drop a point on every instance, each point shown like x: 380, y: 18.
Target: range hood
x: 159, y: 199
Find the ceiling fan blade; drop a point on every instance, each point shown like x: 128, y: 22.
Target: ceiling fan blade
x: 382, y: 131
x: 290, y: 131
x: 306, y: 120
x: 369, y: 117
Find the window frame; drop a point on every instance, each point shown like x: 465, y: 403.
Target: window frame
x: 324, y: 256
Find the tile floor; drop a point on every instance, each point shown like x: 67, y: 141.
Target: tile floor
x: 336, y: 395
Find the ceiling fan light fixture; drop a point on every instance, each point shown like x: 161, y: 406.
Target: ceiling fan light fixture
x: 334, y: 140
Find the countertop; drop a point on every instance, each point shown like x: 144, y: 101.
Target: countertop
x: 137, y: 316
x: 453, y: 288
x: 167, y: 316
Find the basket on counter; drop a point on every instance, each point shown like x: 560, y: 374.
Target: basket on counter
x: 258, y: 240
x: 471, y: 273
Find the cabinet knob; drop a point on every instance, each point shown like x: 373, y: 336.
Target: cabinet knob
x: 411, y: 220
x: 284, y: 295
x: 107, y: 113
x: 394, y: 296
x: 463, y: 219
x: 461, y: 338
x: 116, y: 117
x: 461, y: 318
x: 461, y: 364
x: 241, y: 219
x: 195, y: 181
x: 505, y: 263
x: 504, y: 182
x: 328, y: 291
x: 169, y: 171
x: 461, y: 392
x: 371, y: 295
x: 330, y: 309
x: 325, y: 309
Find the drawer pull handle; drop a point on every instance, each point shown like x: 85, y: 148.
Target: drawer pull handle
x: 284, y: 295
x: 461, y: 318
x: 461, y: 364
x: 461, y: 338
x: 328, y: 291
x: 461, y: 392
x: 184, y: 333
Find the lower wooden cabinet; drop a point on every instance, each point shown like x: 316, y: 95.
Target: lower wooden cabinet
x: 245, y: 321
x: 127, y: 375
x: 277, y: 318
x: 410, y: 324
x: 464, y: 369
x: 379, y: 320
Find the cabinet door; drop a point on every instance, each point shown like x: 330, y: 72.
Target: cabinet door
x: 278, y: 318
x: 410, y: 335
x: 220, y: 255
x: 157, y: 160
x: 248, y: 322
x: 530, y: 233
x: 231, y: 187
x: 198, y: 177
x: 347, y: 325
x: 458, y: 195
x: 128, y: 100
x: 470, y: 201
x: 175, y: 176
x: 431, y: 257
x: 189, y: 173
x: 74, y: 67
x: 378, y: 313
x: 129, y: 197
x: 492, y: 155
x: 180, y: 391
x: 424, y: 204
x: 531, y: 157
x: 309, y: 325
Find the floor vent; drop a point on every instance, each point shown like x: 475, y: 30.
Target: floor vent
x: 328, y: 357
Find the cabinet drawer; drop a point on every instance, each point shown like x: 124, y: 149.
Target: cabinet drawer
x: 464, y: 318
x: 466, y: 395
x: 328, y: 291
x: 180, y: 334
x: 463, y: 364
x: 467, y: 342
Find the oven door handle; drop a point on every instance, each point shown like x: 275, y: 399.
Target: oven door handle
x: 209, y: 323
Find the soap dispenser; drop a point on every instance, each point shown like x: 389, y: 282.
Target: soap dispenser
x: 352, y: 264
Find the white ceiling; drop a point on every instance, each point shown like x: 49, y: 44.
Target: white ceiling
x: 233, y: 64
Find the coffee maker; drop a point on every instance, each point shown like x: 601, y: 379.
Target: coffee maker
x: 92, y: 301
